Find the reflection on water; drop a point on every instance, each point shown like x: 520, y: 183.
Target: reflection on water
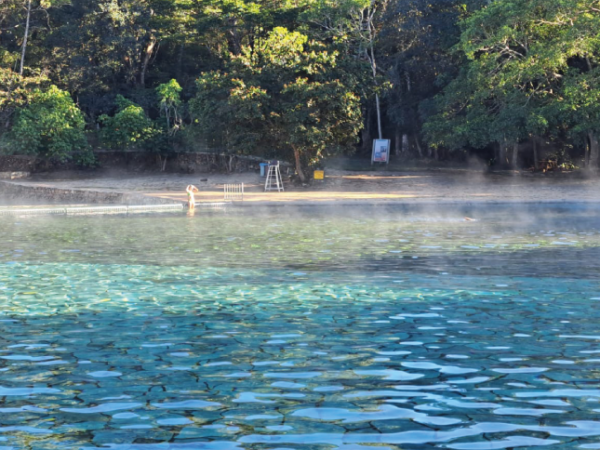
x: 288, y: 333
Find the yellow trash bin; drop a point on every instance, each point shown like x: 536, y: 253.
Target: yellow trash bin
x: 319, y: 174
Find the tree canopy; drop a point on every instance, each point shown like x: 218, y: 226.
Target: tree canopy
x: 50, y: 125
x: 284, y: 94
x: 302, y: 79
x: 532, y: 68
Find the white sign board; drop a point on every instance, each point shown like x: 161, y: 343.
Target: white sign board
x: 381, y: 151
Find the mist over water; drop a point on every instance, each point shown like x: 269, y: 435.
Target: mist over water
x: 490, y: 240
x: 304, y: 328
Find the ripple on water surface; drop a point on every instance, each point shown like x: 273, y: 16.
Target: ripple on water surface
x: 142, y: 356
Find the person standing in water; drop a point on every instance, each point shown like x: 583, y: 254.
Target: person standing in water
x: 190, y: 189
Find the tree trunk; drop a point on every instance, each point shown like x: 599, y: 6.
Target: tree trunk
x: 397, y: 144
x: 180, y: 61
x: 233, y: 37
x: 535, y: 153
x: 418, y: 145
x: 502, y: 153
x: 299, y: 166
x: 586, y: 162
x: 367, y: 137
x: 168, y: 119
x: 24, y: 49
x: 146, y: 60
x: 594, y: 150
x: 515, y: 156
x: 405, y: 143
x: 373, y: 62
x: 378, y: 106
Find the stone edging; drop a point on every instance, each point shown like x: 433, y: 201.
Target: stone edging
x: 16, y: 191
x: 13, y: 175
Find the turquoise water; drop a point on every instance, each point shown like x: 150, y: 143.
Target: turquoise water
x: 313, y: 330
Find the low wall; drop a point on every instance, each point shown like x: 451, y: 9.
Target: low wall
x: 17, y: 163
x: 212, y: 162
x: 141, y: 162
x: 13, y: 192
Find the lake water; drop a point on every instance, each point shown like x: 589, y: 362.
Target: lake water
x: 332, y: 329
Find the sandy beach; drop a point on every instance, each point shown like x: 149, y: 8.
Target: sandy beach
x: 342, y: 186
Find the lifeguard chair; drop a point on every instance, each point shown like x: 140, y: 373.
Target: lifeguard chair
x: 274, y: 181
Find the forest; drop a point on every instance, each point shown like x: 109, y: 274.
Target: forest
x: 513, y: 83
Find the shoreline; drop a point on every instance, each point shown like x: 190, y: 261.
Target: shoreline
x: 341, y: 188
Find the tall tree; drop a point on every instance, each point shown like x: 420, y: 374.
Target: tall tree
x: 525, y: 56
x: 356, y: 24
x: 415, y: 47
x: 50, y: 125
x: 285, y: 94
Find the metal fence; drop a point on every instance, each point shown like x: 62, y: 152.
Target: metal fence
x: 233, y: 192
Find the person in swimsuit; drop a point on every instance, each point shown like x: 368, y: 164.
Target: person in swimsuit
x: 190, y: 189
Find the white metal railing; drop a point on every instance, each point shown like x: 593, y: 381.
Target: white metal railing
x: 233, y: 192
x: 220, y: 206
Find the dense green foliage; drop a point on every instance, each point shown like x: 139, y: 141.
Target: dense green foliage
x: 130, y: 127
x: 50, y: 125
x: 532, y: 69
x: 283, y: 95
x: 510, y: 81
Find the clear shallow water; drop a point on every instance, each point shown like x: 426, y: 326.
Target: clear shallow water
x: 314, y: 331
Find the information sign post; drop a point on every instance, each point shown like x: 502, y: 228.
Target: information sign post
x: 381, y: 151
